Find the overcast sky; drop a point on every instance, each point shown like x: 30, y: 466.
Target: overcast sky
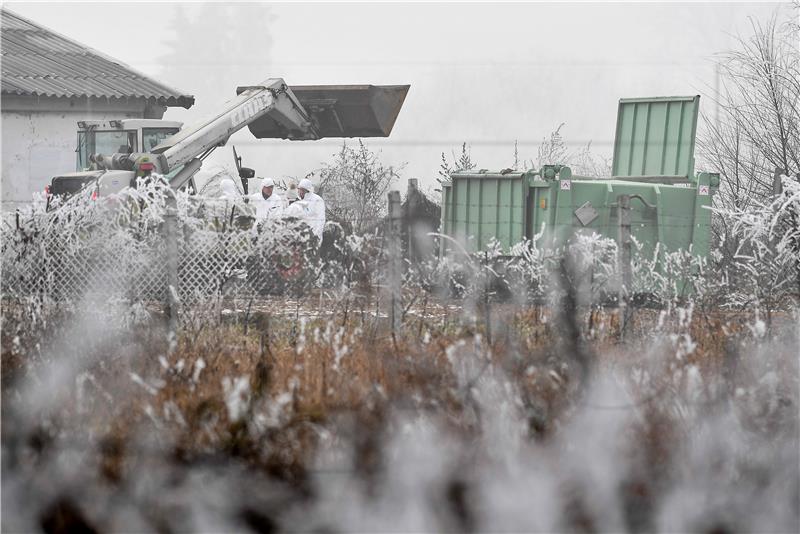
x: 487, y: 74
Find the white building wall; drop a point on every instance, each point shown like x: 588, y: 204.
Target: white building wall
x: 38, y: 144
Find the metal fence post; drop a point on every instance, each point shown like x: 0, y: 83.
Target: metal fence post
x: 624, y: 240
x: 394, y: 246
x: 171, y: 242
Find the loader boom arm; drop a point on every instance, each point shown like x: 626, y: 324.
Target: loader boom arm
x: 273, y: 110
x: 273, y: 98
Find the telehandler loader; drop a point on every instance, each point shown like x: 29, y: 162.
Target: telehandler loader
x: 271, y: 109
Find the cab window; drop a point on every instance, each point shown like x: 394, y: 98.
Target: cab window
x: 104, y: 142
x: 152, y: 137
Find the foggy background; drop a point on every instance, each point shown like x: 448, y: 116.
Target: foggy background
x: 482, y: 74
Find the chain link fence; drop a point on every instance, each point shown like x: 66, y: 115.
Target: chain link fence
x: 121, y: 251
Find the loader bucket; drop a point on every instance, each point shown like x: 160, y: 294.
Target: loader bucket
x: 343, y: 110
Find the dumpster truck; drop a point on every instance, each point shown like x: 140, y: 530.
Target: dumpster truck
x: 653, y: 193
x: 113, y: 154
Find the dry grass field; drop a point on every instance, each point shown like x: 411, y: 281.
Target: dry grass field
x: 268, y: 415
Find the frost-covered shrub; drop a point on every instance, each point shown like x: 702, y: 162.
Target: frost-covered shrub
x: 531, y: 271
x: 765, y: 268
x: 350, y: 261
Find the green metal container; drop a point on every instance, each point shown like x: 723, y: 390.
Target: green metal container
x: 653, y: 164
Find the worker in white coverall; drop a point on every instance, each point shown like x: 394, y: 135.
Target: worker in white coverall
x: 267, y: 203
x: 309, y: 207
x: 233, y: 205
x: 228, y: 190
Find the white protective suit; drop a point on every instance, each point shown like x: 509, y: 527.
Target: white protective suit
x: 315, y: 213
x: 311, y: 209
x: 233, y: 201
x: 228, y: 190
x: 269, y: 208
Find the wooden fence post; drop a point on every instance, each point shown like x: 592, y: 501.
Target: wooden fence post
x: 394, y: 246
x: 412, y: 200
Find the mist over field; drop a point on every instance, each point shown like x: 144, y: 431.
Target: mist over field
x: 486, y: 74
x: 479, y: 323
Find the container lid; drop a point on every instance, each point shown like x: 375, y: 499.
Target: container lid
x: 655, y: 137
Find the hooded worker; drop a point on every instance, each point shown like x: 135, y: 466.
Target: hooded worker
x: 228, y: 190
x: 268, y: 203
x: 314, y: 206
x: 309, y: 208
x: 232, y: 205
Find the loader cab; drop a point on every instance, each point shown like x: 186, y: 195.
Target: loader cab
x: 120, y: 136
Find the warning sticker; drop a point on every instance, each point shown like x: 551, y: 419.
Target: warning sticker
x: 566, y: 185
x: 703, y: 190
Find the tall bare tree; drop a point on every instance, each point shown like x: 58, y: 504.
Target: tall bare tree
x: 757, y: 127
x: 355, y: 185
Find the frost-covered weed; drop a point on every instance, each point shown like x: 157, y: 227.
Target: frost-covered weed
x: 765, y: 267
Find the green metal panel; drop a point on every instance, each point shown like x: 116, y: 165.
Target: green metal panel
x: 701, y: 241
x: 541, y: 208
x: 563, y: 205
x: 655, y: 137
x: 678, y: 221
x: 479, y: 207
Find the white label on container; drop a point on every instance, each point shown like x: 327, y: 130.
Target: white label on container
x: 703, y: 190
x: 566, y: 185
